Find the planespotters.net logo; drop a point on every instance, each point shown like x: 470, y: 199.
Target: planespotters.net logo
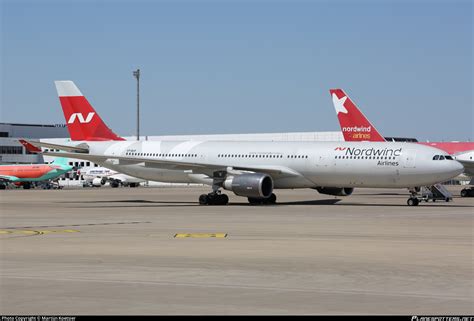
x: 441, y: 318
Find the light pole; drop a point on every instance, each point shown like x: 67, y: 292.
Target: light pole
x: 136, y: 74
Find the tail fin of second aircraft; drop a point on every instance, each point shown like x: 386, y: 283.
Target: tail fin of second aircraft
x: 60, y: 161
x: 354, y: 125
x: 82, y: 120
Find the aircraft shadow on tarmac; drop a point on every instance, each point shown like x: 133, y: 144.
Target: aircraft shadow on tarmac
x: 147, y: 203
x: 422, y: 204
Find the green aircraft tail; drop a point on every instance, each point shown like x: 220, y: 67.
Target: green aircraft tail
x: 60, y: 161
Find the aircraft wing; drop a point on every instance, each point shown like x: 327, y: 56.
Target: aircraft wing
x: 468, y: 167
x: 196, y: 167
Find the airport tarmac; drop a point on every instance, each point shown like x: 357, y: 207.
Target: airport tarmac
x: 113, y: 251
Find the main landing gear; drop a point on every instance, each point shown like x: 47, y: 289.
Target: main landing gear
x: 219, y: 181
x: 217, y: 198
x: 263, y: 201
x: 214, y: 198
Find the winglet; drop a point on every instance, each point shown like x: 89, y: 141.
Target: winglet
x: 83, y: 122
x: 354, y: 125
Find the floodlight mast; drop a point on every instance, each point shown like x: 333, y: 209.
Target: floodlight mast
x: 136, y: 74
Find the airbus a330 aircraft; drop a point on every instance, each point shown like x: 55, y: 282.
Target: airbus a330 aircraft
x: 250, y: 169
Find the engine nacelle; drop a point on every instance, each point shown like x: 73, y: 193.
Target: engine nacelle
x: 250, y: 185
x: 98, y: 182
x: 336, y: 191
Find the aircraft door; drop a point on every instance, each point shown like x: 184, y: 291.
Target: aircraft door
x: 409, y: 157
x: 323, y: 160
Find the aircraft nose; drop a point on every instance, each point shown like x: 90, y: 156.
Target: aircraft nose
x: 458, y: 168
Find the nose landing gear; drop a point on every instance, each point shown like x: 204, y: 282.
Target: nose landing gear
x: 414, y: 200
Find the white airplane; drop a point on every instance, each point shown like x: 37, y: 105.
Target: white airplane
x: 98, y: 176
x: 250, y: 169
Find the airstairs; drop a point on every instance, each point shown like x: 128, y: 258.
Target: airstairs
x: 435, y: 193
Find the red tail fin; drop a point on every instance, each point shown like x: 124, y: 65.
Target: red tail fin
x: 354, y: 125
x: 29, y: 147
x: 82, y: 120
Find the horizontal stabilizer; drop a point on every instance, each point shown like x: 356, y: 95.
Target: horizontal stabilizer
x: 81, y: 148
x: 29, y: 147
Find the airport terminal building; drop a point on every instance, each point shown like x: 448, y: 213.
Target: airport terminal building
x: 12, y: 152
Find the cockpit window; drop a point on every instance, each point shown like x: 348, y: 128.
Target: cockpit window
x: 442, y: 157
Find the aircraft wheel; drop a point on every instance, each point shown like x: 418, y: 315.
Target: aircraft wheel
x: 203, y: 199
x: 222, y: 199
x: 256, y: 201
x: 217, y: 199
x: 272, y: 199
x: 26, y: 186
x: 412, y: 201
x: 2, y: 186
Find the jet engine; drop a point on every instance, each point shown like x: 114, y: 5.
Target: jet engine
x: 255, y: 185
x: 98, y: 182
x: 336, y: 191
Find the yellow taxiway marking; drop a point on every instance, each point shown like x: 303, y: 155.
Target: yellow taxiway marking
x: 200, y: 235
x: 38, y: 232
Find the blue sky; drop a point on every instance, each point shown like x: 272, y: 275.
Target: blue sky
x: 243, y: 66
